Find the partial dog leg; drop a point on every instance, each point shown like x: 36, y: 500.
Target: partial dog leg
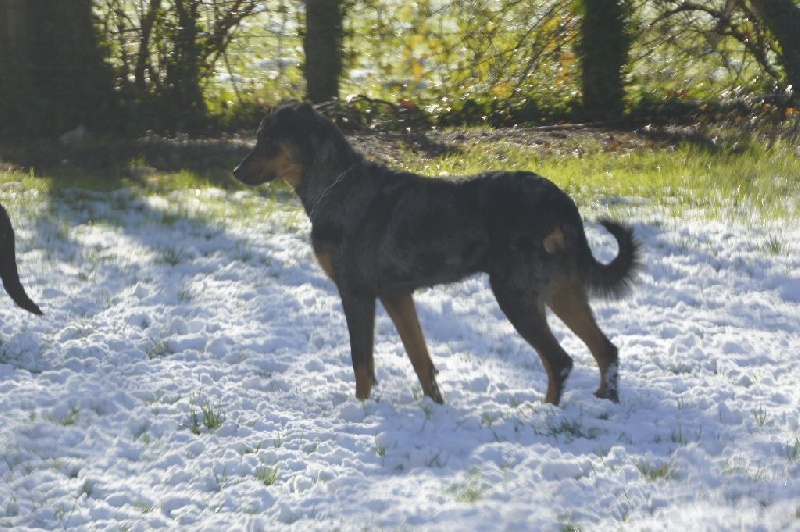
x: 404, y: 315
x: 570, y: 304
x: 360, y: 314
x: 527, y: 314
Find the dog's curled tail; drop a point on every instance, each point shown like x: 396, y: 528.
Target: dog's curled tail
x: 8, y: 266
x: 614, y: 280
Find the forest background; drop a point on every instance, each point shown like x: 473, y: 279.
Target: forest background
x: 204, y: 66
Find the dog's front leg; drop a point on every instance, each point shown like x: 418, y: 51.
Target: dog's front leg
x: 359, y: 311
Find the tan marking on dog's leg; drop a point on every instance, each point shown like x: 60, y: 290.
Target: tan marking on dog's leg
x: 359, y: 312
x: 570, y: 304
x: 554, y: 241
x: 325, y: 261
x: 549, y: 351
x: 401, y: 309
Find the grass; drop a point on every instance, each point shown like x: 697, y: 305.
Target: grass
x: 763, y: 179
x: 157, y: 348
x: 143, y: 507
x: 760, y: 416
x: 78, y: 187
x: 653, y: 473
x: 775, y: 246
x: 677, y: 436
x: 267, y: 475
x: 171, y: 256
x: 759, y: 178
x: 208, y: 417
x: 565, y: 428
x: 70, y: 418
x: 793, y: 450
x: 470, y: 489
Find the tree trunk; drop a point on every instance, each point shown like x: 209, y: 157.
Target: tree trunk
x: 782, y: 17
x: 12, y: 23
x: 603, y: 52
x: 54, y: 76
x: 143, y: 53
x: 183, y: 72
x: 322, y: 44
x: 15, y: 79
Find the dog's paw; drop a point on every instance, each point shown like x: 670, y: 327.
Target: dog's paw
x: 607, y: 393
x: 435, y: 394
x: 365, y: 380
x: 432, y: 390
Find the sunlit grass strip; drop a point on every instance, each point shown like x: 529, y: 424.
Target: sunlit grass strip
x: 764, y: 180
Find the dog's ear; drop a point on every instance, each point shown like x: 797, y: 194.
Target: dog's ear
x: 284, y: 113
x: 294, y: 110
x: 299, y: 121
x: 306, y: 110
x: 306, y: 116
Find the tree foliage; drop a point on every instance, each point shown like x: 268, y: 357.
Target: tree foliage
x: 168, y: 64
x: 724, y: 38
x: 471, y: 47
x: 165, y: 51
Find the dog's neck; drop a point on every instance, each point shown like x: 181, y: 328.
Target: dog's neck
x: 321, y: 179
x: 338, y: 179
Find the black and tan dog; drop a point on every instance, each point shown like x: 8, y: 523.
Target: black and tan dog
x: 380, y: 234
x: 8, y: 266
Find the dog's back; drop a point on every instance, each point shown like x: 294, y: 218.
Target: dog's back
x: 402, y: 231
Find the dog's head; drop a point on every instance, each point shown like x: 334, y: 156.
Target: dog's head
x: 282, y: 147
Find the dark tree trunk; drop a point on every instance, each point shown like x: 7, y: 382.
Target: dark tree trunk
x: 12, y: 23
x: 782, y: 17
x: 142, y: 55
x: 322, y: 44
x: 15, y: 79
x: 184, y: 70
x: 603, y: 52
x: 60, y: 67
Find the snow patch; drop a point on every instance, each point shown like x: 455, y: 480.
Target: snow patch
x: 192, y: 371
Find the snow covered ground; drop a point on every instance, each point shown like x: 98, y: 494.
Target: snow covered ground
x: 192, y: 371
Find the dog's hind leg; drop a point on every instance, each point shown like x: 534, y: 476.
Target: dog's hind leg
x: 401, y: 309
x: 526, y: 312
x: 360, y: 314
x: 570, y: 304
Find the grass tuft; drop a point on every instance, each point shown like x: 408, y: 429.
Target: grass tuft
x: 653, y: 473
x: 71, y: 417
x: 760, y: 416
x: 267, y: 475
x: 793, y: 450
x: 470, y: 489
x: 208, y: 417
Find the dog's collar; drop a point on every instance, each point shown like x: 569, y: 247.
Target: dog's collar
x: 339, y: 178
